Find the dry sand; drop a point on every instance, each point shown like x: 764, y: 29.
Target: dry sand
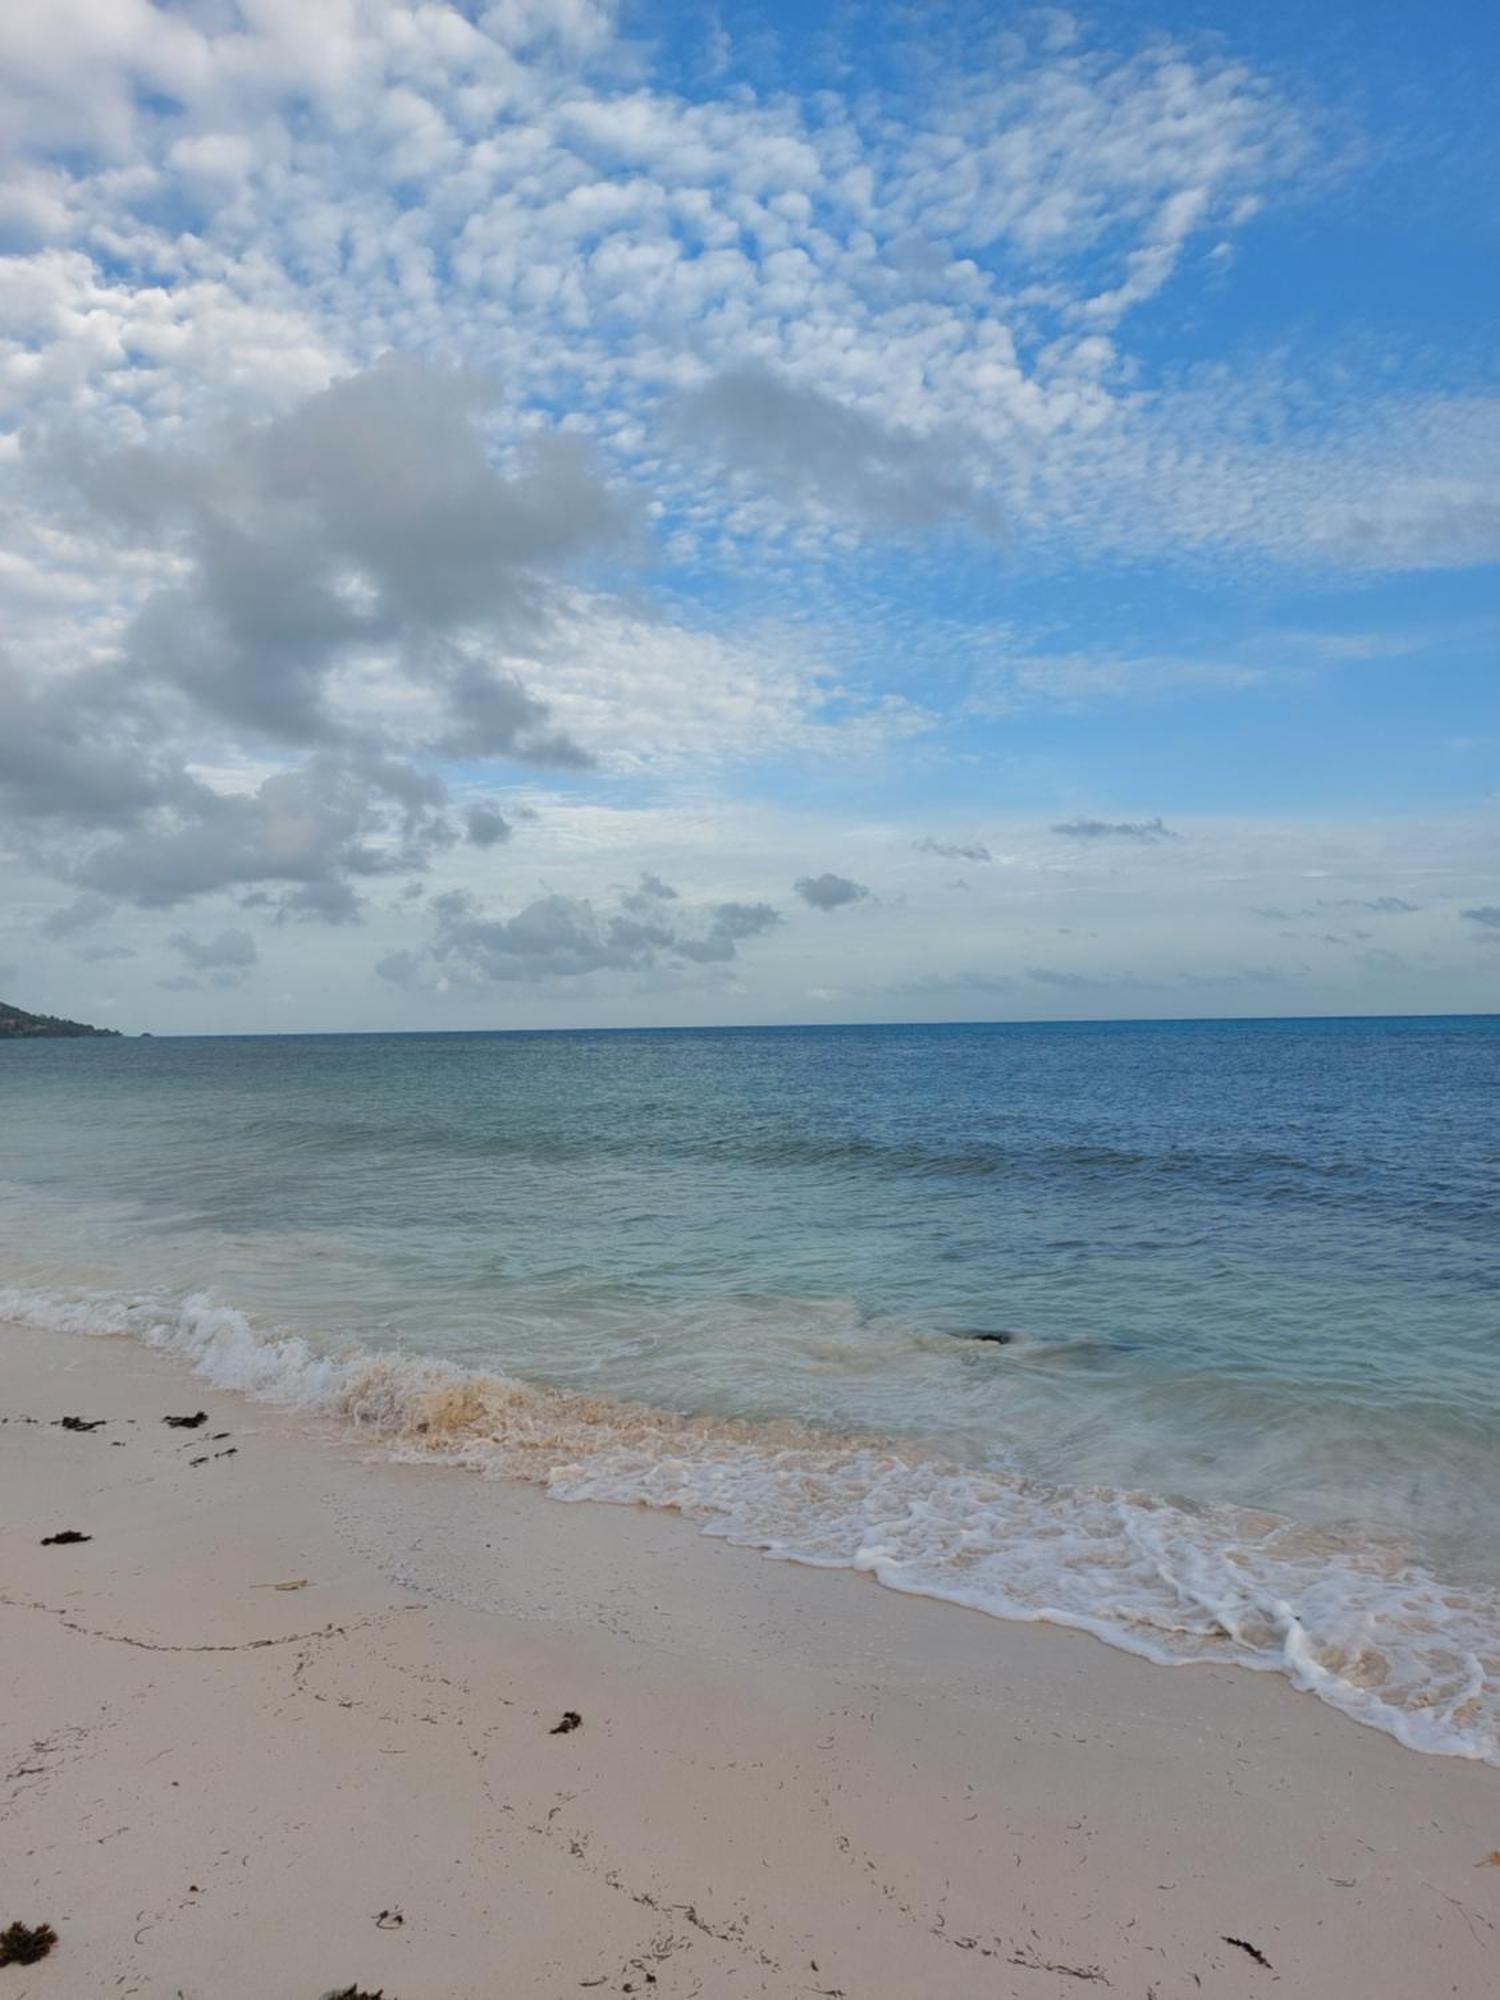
x: 784, y: 1782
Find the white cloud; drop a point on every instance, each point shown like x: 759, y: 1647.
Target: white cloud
x: 794, y: 327
x: 647, y: 693
x: 506, y: 190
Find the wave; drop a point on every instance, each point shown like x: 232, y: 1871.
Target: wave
x: 1357, y: 1623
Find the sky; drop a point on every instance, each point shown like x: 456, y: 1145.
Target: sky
x: 563, y: 513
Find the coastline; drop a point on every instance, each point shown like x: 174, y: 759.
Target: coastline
x: 1373, y: 1635
x: 784, y: 1781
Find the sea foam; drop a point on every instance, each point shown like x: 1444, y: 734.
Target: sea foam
x: 1357, y: 1623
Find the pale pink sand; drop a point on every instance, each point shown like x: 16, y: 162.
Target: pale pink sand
x: 786, y: 1782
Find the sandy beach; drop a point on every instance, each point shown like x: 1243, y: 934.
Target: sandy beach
x: 290, y: 1721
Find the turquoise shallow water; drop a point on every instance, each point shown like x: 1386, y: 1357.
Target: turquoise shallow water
x: 1250, y: 1408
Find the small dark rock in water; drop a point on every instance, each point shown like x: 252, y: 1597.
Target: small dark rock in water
x: 572, y: 1720
x: 22, y: 1945
x: 80, y: 1423
x: 187, y: 1423
x: 64, y: 1535
x: 997, y: 1336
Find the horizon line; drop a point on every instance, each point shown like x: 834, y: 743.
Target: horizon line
x: 762, y: 1027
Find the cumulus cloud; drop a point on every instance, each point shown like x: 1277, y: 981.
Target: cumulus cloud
x: 567, y: 937
x: 339, y: 585
x: 310, y: 828
x: 366, y: 519
x: 79, y: 750
x: 492, y: 715
x: 353, y: 594
x: 486, y: 827
x: 829, y: 892
x: 1115, y: 829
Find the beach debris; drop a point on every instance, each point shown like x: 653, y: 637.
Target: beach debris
x: 187, y: 1423
x: 24, y: 1944
x: 1491, y: 1860
x: 64, y: 1535
x: 80, y: 1423
x: 227, y: 1454
x: 354, y: 1993
x: 571, y: 1720
x: 1252, y: 1951
x: 199, y: 1461
x: 388, y: 1920
x: 1031, y: 1961
x: 292, y: 1583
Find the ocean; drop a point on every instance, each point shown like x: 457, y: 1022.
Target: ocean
x: 1244, y: 1405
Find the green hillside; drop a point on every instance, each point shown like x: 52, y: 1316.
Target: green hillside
x: 16, y: 1021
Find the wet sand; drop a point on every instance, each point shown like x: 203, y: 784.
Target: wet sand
x: 781, y: 1781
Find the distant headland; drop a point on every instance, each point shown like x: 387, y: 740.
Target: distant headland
x: 16, y: 1021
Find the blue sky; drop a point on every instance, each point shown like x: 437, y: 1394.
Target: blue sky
x: 506, y: 504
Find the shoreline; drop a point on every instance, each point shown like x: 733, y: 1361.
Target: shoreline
x: 784, y: 1781
x: 1389, y: 1644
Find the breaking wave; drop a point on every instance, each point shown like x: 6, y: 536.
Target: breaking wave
x: 1358, y: 1623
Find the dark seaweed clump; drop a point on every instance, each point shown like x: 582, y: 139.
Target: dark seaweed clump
x: 20, y: 1944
